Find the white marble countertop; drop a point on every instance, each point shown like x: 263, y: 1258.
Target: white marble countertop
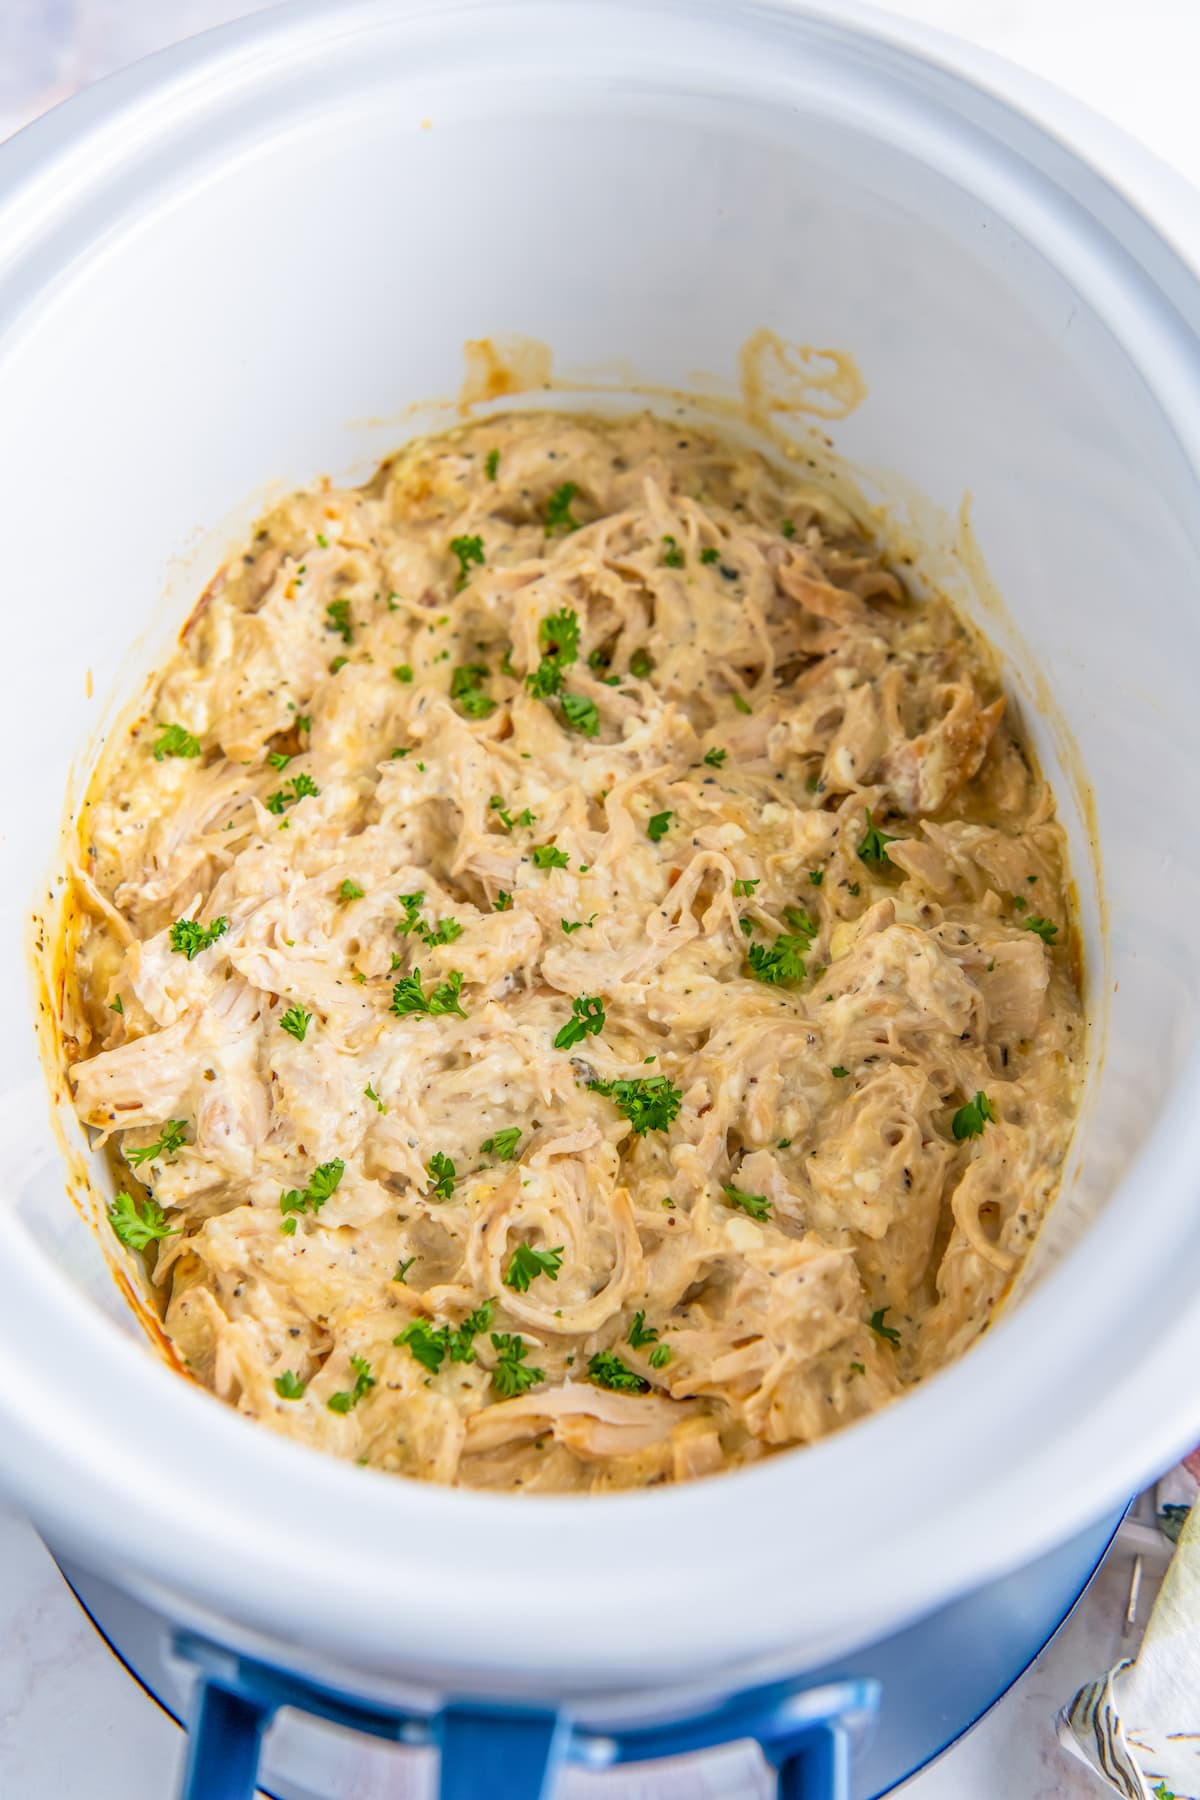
x: 73, y: 1725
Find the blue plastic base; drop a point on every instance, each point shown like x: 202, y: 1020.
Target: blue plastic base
x: 934, y: 1680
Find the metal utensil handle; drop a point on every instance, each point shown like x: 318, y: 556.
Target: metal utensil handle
x: 495, y: 1752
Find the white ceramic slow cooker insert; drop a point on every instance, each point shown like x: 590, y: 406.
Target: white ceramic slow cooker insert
x: 231, y: 269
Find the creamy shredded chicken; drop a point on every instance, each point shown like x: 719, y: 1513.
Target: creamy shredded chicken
x: 573, y: 966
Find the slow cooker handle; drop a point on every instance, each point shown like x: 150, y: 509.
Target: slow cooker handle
x: 511, y: 1752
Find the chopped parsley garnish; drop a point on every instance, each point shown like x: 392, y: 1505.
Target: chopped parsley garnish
x: 557, y: 516
x: 175, y: 741
x: 816, y: 876
x: 289, y: 1386
x: 658, y: 827
x: 649, y: 1102
x: 608, y: 1371
x: 1020, y: 903
x: 321, y: 1184
x: 363, y: 1380
x: 581, y: 714
x: 337, y: 618
x: 526, y: 1264
x: 502, y: 1144
x: 303, y: 722
x: 710, y: 554
x: 838, y: 1071
x: 587, y: 1020
x: 641, y: 1334
x: 888, y: 1332
x: 714, y: 757
x: 295, y: 1022
x: 512, y: 1375
x: 402, y: 1269
x: 969, y: 1120
x: 442, y: 1174
x: 278, y: 759
x: 138, y: 1224
x: 189, y: 937
x: 1046, y: 929
x: 570, y: 925
x: 660, y: 1356
x: 412, y: 904
x: 403, y: 672
x: 641, y: 664
x: 491, y: 464
x: 549, y: 856
x: 757, y: 1205
x: 408, y: 996
x: 466, y: 688
x: 780, y: 963
x: 370, y: 1093
x: 503, y: 901
x: 339, y: 662
x: 301, y: 787
x: 672, y: 555
x: 744, y: 886
x: 787, y: 528
x: 170, y: 1140
x: 117, y: 1005
x: 350, y: 890
x: 558, y: 639
x: 462, y: 1338
x: 801, y: 922
x: 873, y: 848
x: 429, y: 1344
x: 742, y: 704
x: 468, y: 550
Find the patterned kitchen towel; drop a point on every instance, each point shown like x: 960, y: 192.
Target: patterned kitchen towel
x: 1139, y: 1725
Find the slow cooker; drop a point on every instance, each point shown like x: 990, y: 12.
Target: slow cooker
x: 257, y: 258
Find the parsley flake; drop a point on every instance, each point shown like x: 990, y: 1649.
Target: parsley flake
x: 137, y: 1225
x: 166, y: 1144
x: 370, y: 1093
x: 468, y: 550
x: 289, y: 1386
x: 442, y: 1174
x: 350, y: 890
x: 526, y: 1264
x: 403, y: 672
x: 466, y: 688
x: 673, y: 556
x: 408, y: 996
x: 491, y: 464
x: 969, y: 1120
x: 607, y: 1370
x: 873, y: 848
x: 658, y: 826
x: 714, y: 757
x: 587, y: 1020
x: 557, y: 516
x: 321, y: 1184
x: 888, y: 1332
x: 581, y: 714
x: 337, y: 618
x: 649, y: 1102
x: 710, y: 554
x: 757, y: 1205
x: 1046, y: 929
x: 549, y: 856
x: 295, y: 1021
x: 175, y: 741
x: 502, y: 1144
x: 189, y: 937
x: 363, y: 1381
x: 512, y: 1375
x: 301, y: 787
